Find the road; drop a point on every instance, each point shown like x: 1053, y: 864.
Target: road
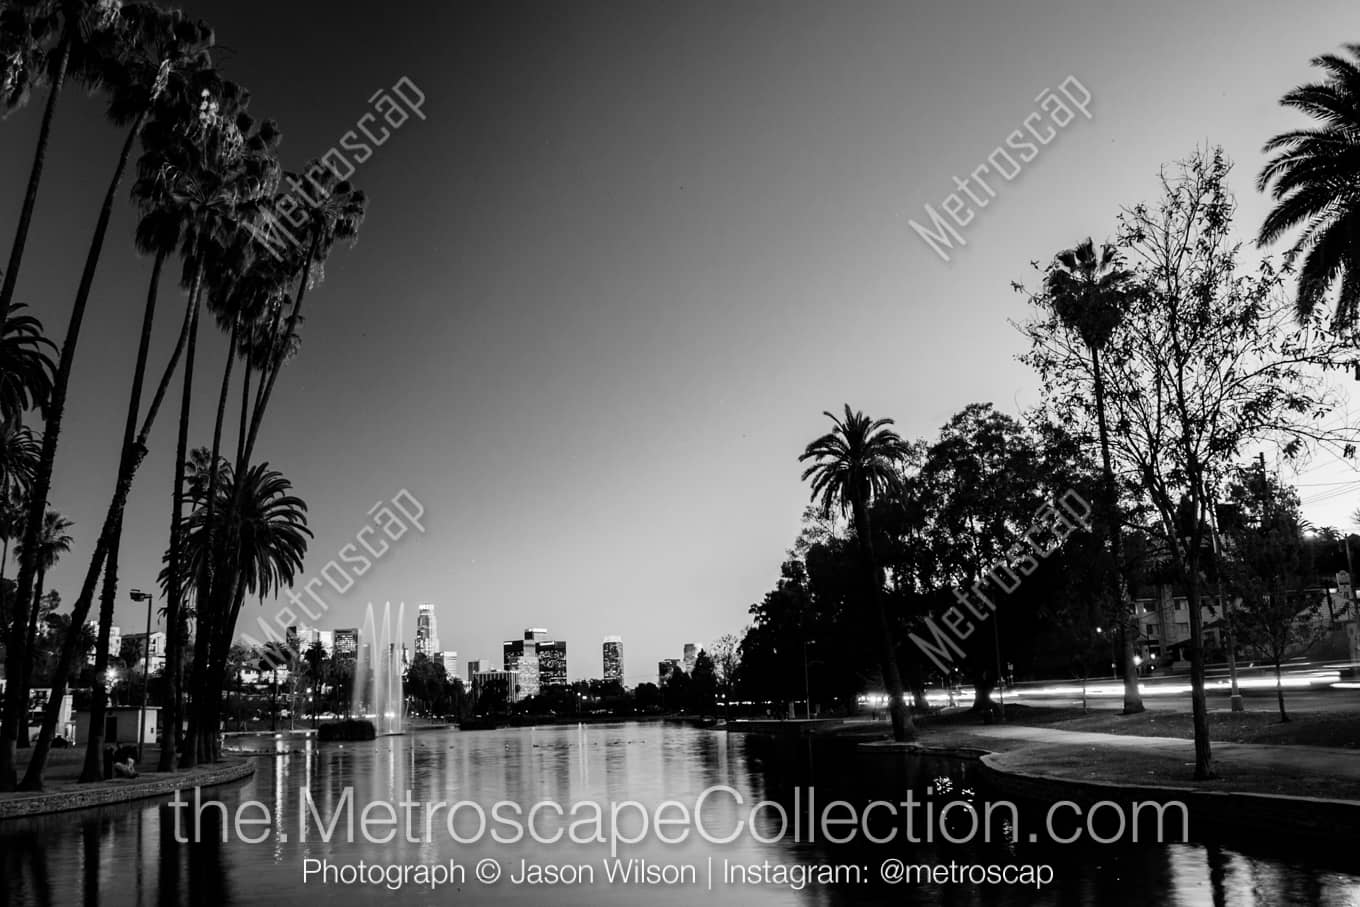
x: 1309, y: 686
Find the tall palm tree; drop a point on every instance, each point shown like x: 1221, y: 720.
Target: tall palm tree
x: 54, y: 540
x: 1316, y: 177
x: 46, y: 40
x: 1087, y: 289
x: 853, y: 465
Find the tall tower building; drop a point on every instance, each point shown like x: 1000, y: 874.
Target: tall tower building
x: 427, y: 631
x: 613, y: 659
x: 450, y: 660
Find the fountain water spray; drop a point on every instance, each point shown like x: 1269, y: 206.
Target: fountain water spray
x: 377, y: 671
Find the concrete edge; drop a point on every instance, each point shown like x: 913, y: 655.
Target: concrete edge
x: 88, y: 796
x: 1313, y: 817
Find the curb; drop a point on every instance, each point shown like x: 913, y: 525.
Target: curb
x: 1312, y: 817
x: 88, y: 796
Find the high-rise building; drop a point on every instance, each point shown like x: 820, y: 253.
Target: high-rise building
x: 613, y: 659
x: 691, y: 655
x: 521, y: 656
x: 427, y: 631
x: 450, y: 660
x: 540, y: 661
x: 665, y: 668
x: 346, y: 643
x: 475, y: 667
x: 552, y: 663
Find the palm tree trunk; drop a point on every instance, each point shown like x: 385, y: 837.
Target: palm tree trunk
x: 25, y: 673
x: 268, y: 380
x: 42, y: 483
x: 245, y: 410
x: 1133, y: 698
x: 903, y: 728
x: 93, y: 769
x: 16, y: 252
x: 210, y: 504
x: 112, y: 518
x: 175, y: 591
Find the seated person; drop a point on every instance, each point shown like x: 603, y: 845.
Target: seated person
x: 125, y: 769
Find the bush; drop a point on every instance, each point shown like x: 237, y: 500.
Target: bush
x: 349, y: 729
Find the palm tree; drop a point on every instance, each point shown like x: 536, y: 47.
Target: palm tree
x: 258, y: 547
x: 853, y: 465
x: 12, y: 509
x: 26, y: 367
x: 188, y: 175
x: 54, y: 540
x: 1087, y: 289
x: 1316, y: 177
x: 100, y: 40
x: 46, y: 40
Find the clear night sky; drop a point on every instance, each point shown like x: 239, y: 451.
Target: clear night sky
x: 607, y: 288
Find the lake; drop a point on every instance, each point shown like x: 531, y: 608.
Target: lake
x: 450, y: 804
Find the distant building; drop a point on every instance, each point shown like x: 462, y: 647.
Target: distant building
x: 665, y: 668
x: 521, y: 657
x: 495, y: 684
x: 346, y: 643
x: 115, y: 640
x: 691, y: 655
x: 540, y: 661
x: 613, y: 659
x: 450, y: 660
x: 156, y: 659
x: 427, y: 631
x: 552, y: 663
x: 475, y: 666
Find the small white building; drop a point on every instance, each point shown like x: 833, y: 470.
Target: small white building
x: 120, y: 724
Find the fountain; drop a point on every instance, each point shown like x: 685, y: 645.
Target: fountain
x: 378, y: 692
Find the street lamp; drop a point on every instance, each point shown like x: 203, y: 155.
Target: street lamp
x: 138, y: 595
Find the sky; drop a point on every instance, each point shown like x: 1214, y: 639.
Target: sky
x: 610, y: 281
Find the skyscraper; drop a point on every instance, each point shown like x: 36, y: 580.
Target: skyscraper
x: 540, y: 661
x: 521, y: 657
x: 347, y: 642
x: 475, y: 666
x: 552, y: 663
x: 613, y: 659
x: 427, y: 631
x: 691, y: 655
x: 450, y: 660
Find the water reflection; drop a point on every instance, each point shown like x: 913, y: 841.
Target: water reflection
x: 128, y: 854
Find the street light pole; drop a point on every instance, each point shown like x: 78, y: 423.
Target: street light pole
x: 138, y: 595
x: 1226, y: 604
